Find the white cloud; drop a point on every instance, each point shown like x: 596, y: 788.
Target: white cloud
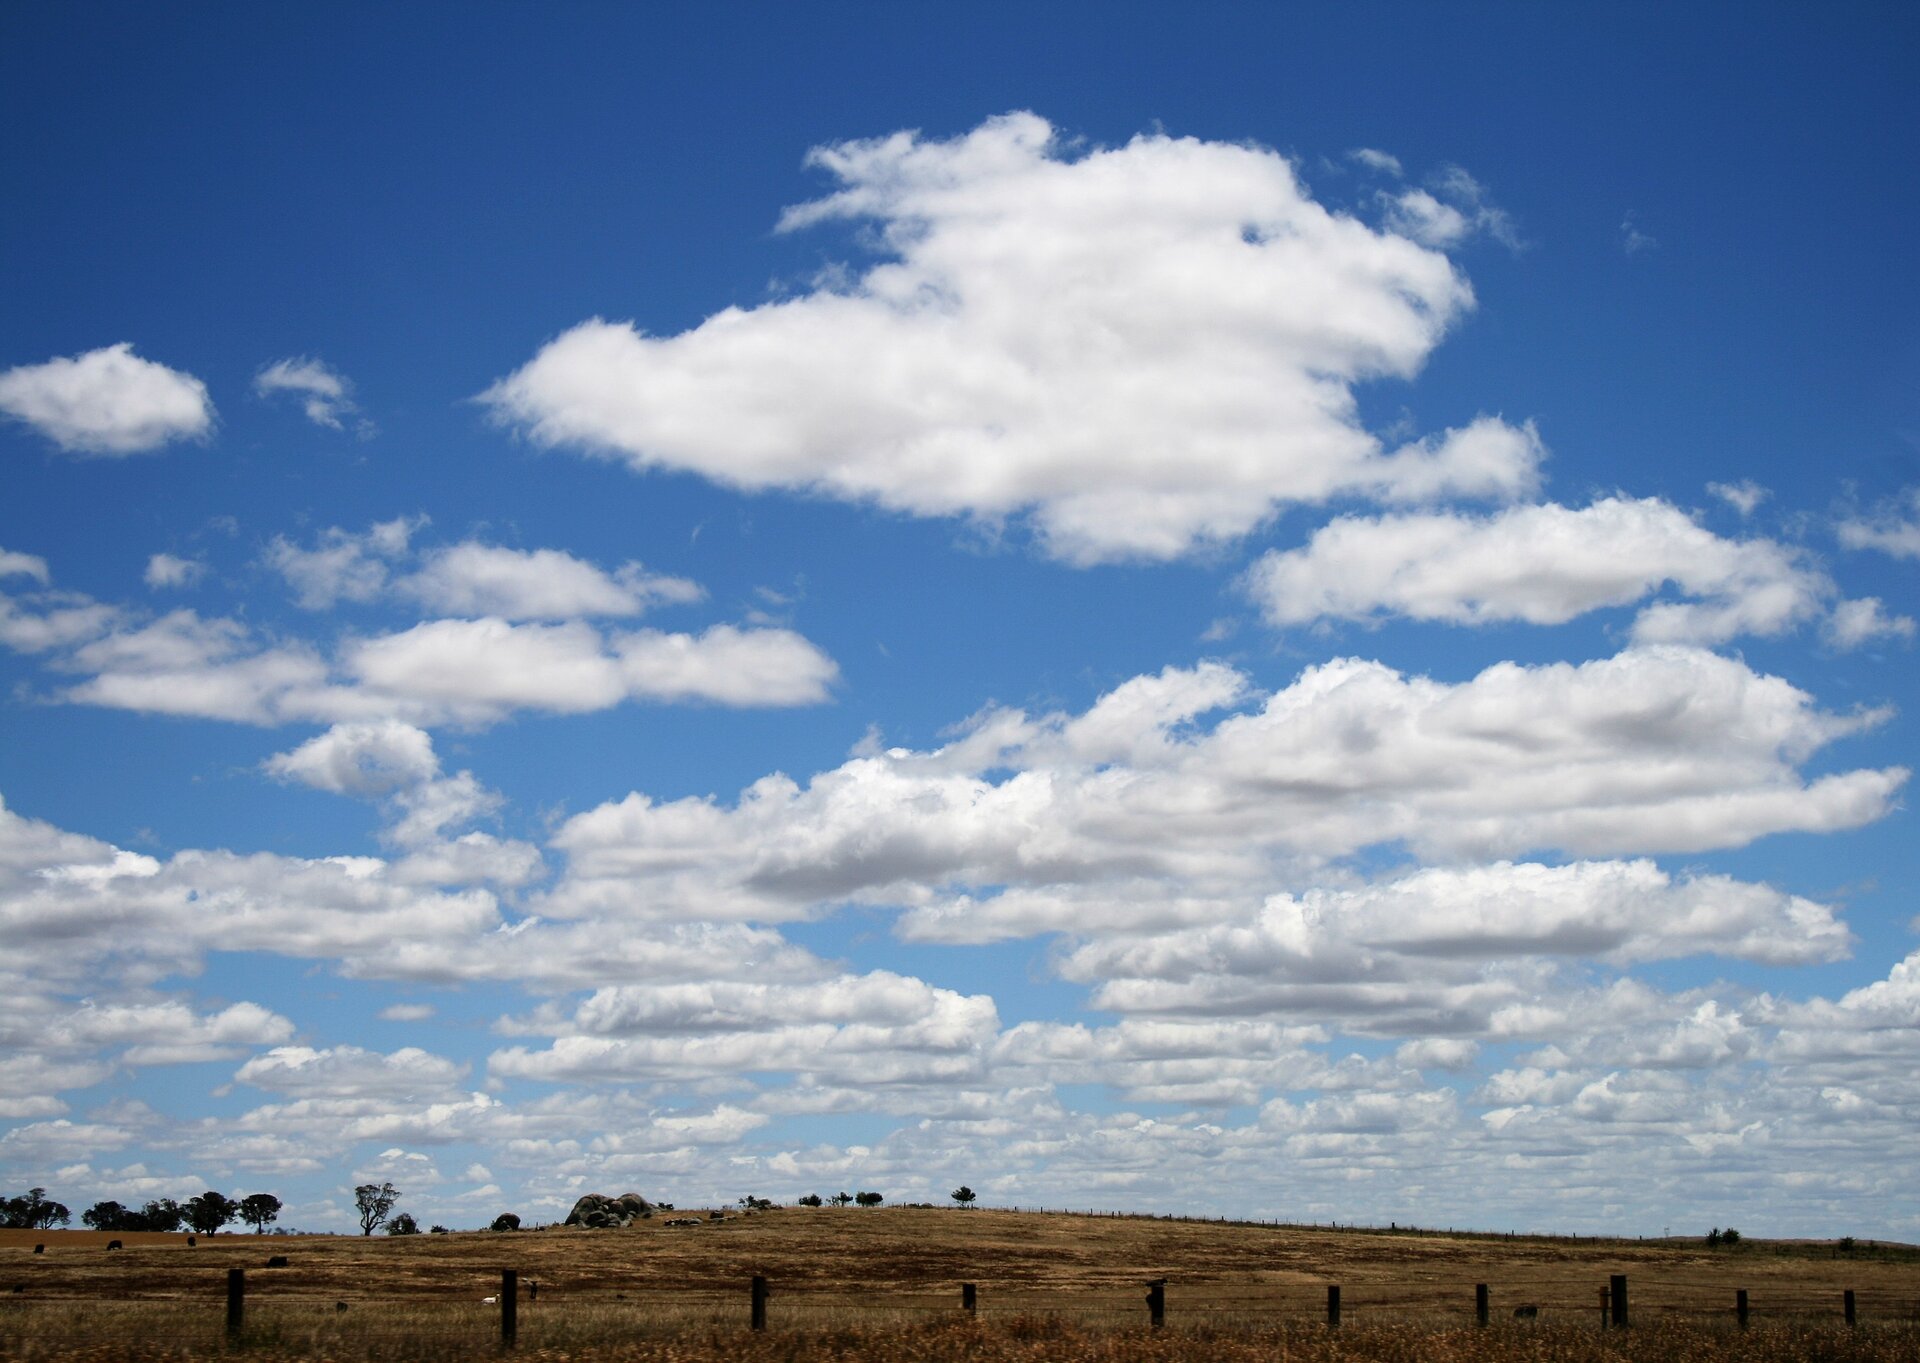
x: 1547, y: 564
x: 1409, y: 955
x: 879, y: 1029
x: 541, y: 584
x: 1146, y: 348
x: 348, y: 1072
x: 325, y: 395
x: 1854, y: 623
x: 167, y: 1033
x: 1744, y: 496
x: 1893, y: 528
x: 1384, y: 162
x: 344, y: 566
x: 165, y: 571
x: 13, y: 564
x: 1454, y: 208
x: 1632, y: 239
x: 407, y: 1012
x: 107, y: 401
x: 439, y: 672
x: 1138, y: 805
x: 371, y: 758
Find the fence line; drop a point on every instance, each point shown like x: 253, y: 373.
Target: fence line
x: 1613, y: 1301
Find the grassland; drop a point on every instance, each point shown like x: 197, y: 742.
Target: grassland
x: 883, y: 1286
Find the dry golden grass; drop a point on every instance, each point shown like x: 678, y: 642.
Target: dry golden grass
x: 883, y: 1286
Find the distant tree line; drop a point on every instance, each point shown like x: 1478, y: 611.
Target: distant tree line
x: 204, y: 1214
x: 837, y: 1200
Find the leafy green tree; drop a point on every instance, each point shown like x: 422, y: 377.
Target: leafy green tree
x: 161, y: 1214
x: 260, y: 1210
x: 403, y: 1224
x: 868, y: 1199
x: 810, y: 1200
x: 963, y: 1195
x: 34, y: 1211
x: 375, y: 1204
x: 841, y: 1199
x: 210, y: 1211
x: 106, y: 1216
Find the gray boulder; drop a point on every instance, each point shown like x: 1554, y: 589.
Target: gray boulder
x: 600, y: 1212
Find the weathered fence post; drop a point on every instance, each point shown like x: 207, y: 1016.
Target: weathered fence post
x: 1606, y: 1306
x: 969, y: 1298
x: 1333, y: 1306
x: 1480, y: 1303
x: 759, y: 1302
x: 1848, y: 1300
x: 509, y: 1307
x: 236, y: 1300
x: 1740, y: 1307
x: 1157, y: 1302
x: 1620, y: 1300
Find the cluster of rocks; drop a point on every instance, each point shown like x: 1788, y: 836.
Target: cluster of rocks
x: 600, y: 1212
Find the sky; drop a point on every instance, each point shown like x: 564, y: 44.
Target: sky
x: 1282, y: 611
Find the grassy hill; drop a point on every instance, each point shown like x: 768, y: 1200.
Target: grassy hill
x: 895, y: 1274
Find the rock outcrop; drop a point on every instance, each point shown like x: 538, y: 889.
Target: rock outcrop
x: 601, y: 1212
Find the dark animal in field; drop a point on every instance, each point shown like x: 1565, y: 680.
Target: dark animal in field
x: 1525, y: 1312
x: 39, y: 1249
x: 191, y: 1242
x: 277, y: 1261
x: 339, y: 1306
x: 113, y: 1244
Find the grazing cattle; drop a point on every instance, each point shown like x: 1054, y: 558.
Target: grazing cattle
x: 191, y: 1242
x: 113, y: 1244
x: 39, y: 1249
x: 488, y: 1301
x: 339, y: 1306
x: 277, y: 1261
x: 1525, y: 1312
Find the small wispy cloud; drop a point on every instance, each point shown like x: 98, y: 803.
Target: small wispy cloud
x: 325, y: 394
x: 1632, y: 240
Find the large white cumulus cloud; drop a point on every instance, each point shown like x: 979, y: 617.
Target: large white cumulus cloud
x: 1146, y: 347
x: 1654, y: 750
x: 107, y: 401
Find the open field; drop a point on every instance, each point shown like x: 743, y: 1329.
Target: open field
x: 885, y: 1284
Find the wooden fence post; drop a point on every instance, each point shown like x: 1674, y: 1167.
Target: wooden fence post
x: 1620, y: 1300
x: 759, y: 1318
x: 1848, y: 1300
x: 1740, y: 1307
x: 236, y: 1301
x: 1480, y: 1303
x: 509, y: 1307
x: 1333, y: 1306
x: 1606, y: 1307
x: 1157, y: 1302
x: 969, y: 1298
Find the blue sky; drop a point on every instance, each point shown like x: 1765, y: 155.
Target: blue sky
x: 1302, y: 612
